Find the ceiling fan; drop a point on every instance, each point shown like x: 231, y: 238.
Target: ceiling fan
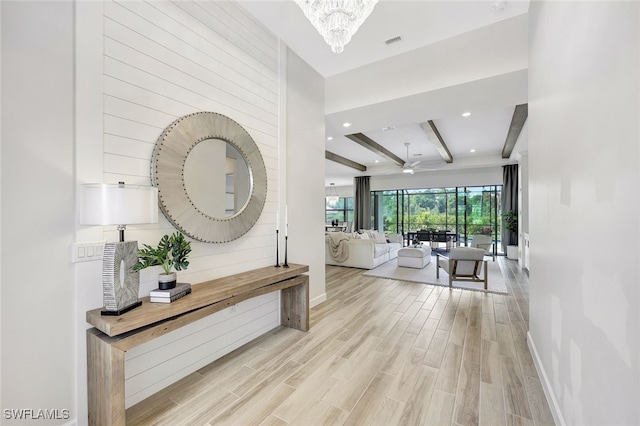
x: 408, y: 167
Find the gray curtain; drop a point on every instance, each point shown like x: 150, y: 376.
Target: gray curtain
x: 509, y: 202
x: 362, y: 203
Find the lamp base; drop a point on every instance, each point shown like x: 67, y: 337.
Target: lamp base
x: 123, y: 310
x: 120, y: 283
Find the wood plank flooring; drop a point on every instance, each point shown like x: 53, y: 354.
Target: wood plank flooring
x: 379, y: 352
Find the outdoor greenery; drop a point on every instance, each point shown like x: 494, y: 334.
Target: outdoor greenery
x: 172, y: 252
x: 436, y: 209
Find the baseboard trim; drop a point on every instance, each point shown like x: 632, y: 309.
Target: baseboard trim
x: 546, y: 384
x: 317, y: 300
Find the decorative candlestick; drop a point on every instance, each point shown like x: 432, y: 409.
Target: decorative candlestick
x: 285, y: 264
x: 286, y: 235
x: 277, y: 265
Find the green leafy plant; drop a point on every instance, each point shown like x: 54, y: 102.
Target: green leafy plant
x: 511, y: 223
x: 172, y: 252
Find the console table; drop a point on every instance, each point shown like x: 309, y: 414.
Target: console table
x: 114, y: 335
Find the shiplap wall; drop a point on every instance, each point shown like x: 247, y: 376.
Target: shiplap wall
x: 163, y: 60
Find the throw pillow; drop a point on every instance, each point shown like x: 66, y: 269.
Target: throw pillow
x: 380, y: 238
x: 370, y: 232
x: 364, y: 236
x: 394, y: 238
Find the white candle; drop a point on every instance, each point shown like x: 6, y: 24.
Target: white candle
x: 278, y: 220
x: 286, y: 220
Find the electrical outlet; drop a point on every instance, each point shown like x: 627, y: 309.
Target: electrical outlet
x: 87, y: 251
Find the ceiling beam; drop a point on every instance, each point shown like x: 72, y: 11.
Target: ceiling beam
x: 344, y: 161
x: 435, y: 138
x: 517, y: 122
x: 372, y: 145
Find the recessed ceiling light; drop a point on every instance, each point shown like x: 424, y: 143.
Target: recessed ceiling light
x: 466, y: 114
x: 330, y: 138
x: 346, y: 124
x: 472, y: 150
x: 377, y: 161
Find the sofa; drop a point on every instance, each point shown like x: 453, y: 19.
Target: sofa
x: 366, y: 249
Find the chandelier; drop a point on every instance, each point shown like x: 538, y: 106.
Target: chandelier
x: 332, y: 195
x: 337, y: 20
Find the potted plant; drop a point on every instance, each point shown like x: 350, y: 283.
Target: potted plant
x: 172, y: 252
x: 511, y: 224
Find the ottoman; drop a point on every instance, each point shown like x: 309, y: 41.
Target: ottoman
x: 414, y: 257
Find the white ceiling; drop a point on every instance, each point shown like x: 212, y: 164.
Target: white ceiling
x: 429, y: 30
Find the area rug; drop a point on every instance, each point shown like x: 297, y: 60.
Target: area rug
x: 427, y: 275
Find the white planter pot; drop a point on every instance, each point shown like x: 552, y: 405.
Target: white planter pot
x: 512, y: 252
x: 167, y: 281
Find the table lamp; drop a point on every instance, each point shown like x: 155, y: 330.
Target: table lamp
x: 121, y: 205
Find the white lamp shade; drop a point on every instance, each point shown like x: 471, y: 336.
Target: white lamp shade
x: 113, y: 204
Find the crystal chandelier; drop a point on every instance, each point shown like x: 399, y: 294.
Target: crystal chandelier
x: 337, y: 20
x: 332, y: 196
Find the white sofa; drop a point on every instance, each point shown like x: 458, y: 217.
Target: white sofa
x: 365, y: 253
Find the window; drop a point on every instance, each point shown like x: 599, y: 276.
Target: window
x: 478, y: 211
x: 465, y: 210
x: 342, y: 211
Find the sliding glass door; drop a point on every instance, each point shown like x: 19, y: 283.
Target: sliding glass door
x: 478, y: 208
x: 467, y: 211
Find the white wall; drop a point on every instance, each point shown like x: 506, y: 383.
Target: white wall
x: 89, y: 121
x: 305, y: 170
x: 584, y: 167
x: 38, y: 298
x: 1, y: 405
x: 523, y: 209
x: 439, y: 179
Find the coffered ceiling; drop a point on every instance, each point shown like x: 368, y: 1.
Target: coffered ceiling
x: 454, y: 57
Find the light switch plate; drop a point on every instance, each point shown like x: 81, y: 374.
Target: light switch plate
x: 87, y: 251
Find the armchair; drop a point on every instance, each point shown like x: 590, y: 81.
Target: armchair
x: 483, y: 242
x: 463, y: 264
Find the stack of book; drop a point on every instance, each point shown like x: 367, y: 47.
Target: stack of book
x: 168, y: 296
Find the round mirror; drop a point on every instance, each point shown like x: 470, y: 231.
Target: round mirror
x: 211, y: 179
x: 217, y: 178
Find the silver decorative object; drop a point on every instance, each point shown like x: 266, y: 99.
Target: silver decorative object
x: 120, y: 283
x: 167, y: 174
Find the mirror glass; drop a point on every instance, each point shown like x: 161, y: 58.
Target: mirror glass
x: 210, y: 175
x: 217, y: 178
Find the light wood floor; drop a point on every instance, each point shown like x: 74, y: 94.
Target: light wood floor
x: 380, y: 352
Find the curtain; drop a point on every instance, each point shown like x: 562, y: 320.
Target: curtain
x: 509, y: 202
x: 362, y: 203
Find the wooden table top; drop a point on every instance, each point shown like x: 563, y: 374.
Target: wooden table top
x: 202, y: 294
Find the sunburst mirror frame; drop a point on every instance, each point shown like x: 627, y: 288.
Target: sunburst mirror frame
x: 167, y: 174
